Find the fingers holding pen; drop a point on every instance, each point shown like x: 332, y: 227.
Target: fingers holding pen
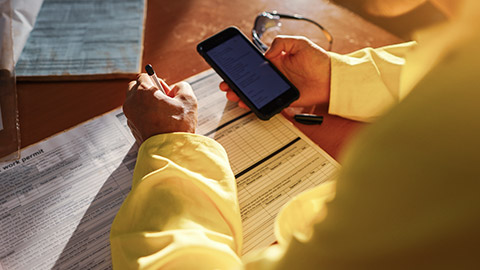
x: 131, y: 85
x: 150, y: 112
x: 144, y: 83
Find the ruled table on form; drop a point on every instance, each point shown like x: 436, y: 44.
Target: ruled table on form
x: 272, y: 160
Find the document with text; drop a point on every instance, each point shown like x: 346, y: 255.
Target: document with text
x: 88, y: 38
x: 58, y: 201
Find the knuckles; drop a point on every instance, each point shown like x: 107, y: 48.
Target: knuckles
x: 152, y: 114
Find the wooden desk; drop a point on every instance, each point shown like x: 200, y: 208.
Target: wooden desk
x: 173, y: 28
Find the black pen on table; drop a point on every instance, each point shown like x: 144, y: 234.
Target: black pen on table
x: 154, y: 77
x: 308, y: 119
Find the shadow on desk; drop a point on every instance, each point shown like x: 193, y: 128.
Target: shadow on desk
x: 89, y: 245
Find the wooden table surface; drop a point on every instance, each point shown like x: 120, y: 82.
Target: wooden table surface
x: 172, y: 30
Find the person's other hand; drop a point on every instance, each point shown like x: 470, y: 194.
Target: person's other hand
x: 304, y: 63
x: 150, y: 112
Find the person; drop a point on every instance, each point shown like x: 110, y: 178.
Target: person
x: 406, y: 197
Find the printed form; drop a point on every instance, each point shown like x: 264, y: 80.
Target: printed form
x: 88, y: 37
x: 58, y: 201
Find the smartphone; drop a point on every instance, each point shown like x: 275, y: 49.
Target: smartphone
x: 256, y: 81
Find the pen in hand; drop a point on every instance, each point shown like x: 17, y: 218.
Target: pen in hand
x: 154, y: 77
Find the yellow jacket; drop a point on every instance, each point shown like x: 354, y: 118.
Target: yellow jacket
x: 408, y: 196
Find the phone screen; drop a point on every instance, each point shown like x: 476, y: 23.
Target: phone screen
x: 252, y: 74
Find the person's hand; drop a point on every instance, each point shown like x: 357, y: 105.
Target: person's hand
x: 149, y: 112
x: 304, y: 63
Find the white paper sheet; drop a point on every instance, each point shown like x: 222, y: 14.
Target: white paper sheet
x: 58, y: 201
x: 16, y: 22
x: 6, y: 38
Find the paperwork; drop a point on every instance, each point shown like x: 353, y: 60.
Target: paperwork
x: 16, y: 21
x: 58, y: 201
x: 24, y: 14
x: 6, y: 38
x: 93, y: 38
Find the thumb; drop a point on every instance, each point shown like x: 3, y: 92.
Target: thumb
x: 279, y: 45
x: 286, y: 45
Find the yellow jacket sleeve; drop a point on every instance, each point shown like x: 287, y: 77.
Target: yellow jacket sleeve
x: 182, y: 211
x: 365, y: 83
